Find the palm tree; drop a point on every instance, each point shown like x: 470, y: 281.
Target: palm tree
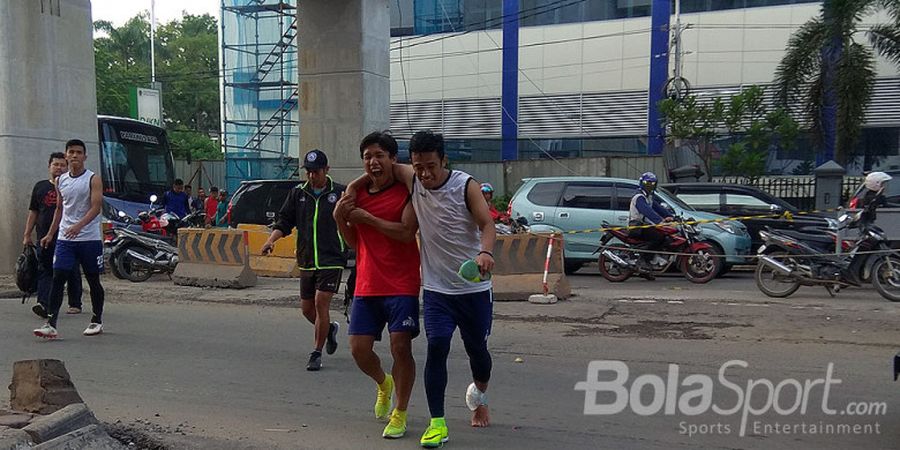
x: 831, y: 74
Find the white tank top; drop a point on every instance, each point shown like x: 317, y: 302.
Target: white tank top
x: 76, y: 198
x: 449, y: 235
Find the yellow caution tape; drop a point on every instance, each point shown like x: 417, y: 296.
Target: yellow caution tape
x: 784, y: 216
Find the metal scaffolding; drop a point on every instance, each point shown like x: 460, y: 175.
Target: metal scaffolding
x: 260, y: 121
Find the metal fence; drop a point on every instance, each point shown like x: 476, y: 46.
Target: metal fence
x: 201, y: 173
x: 798, y: 190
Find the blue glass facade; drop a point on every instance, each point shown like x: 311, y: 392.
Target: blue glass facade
x: 422, y: 17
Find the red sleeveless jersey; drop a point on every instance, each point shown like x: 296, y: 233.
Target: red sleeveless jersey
x: 384, y: 266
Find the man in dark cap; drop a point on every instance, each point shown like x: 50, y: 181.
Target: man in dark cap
x: 321, y: 251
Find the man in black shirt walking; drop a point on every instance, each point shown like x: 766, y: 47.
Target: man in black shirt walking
x: 321, y: 252
x: 40, y: 217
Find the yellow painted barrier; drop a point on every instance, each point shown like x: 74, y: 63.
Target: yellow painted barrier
x: 281, y: 263
x: 214, y: 257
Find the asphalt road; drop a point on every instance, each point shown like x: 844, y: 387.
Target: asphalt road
x: 231, y: 376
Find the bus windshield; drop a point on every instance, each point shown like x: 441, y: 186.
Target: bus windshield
x: 135, y: 159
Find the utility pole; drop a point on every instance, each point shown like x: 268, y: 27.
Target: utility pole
x: 152, y: 42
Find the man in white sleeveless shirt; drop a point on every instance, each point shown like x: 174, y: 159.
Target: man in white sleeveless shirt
x: 79, y: 240
x: 455, y: 226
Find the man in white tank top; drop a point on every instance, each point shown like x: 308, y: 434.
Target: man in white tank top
x: 455, y: 225
x: 79, y: 241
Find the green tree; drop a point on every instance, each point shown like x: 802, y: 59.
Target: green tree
x: 186, y: 65
x: 831, y: 74
x: 752, y: 129
x: 693, y: 125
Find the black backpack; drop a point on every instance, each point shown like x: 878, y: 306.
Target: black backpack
x: 27, y: 272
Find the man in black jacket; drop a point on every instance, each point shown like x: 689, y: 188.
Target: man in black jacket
x: 321, y: 251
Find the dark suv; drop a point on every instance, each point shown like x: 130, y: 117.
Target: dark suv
x: 258, y: 201
x: 734, y: 200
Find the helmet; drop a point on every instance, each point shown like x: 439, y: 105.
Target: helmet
x: 648, y: 181
x: 486, y: 187
x: 875, y: 181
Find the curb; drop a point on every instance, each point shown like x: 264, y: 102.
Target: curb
x: 64, y: 421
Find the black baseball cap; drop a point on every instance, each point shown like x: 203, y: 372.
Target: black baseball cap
x: 315, y: 160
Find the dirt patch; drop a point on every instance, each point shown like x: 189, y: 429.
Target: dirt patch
x: 134, y: 436
x: 655, y: 329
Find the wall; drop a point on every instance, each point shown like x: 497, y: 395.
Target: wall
x: 205, y: 173
x: 506, y: 176
x: 47, y: 96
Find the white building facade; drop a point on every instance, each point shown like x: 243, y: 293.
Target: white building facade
x: 584, y: 73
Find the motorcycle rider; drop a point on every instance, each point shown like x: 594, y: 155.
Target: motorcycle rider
x: 646, y: 209
x: 488, y: 192
x: 871, y: 194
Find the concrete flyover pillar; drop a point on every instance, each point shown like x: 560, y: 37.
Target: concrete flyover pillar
x: 344, y: 63
x: 47, y: 96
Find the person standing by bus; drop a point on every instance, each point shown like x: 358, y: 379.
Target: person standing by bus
x: 79, y: 201
x: 212, y: 205
x: 40, y: 218
x: 177, y: 200
x: 222, y: 209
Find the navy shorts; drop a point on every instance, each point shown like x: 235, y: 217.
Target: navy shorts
x: 87, y: 254
x: 369, y: 315
x: 472, y: 313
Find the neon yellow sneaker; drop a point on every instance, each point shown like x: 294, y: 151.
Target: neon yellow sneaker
x: 436, y: 434
x: 396, y: 427
x: 383, y: 399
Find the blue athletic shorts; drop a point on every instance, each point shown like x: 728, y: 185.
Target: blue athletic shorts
x: 369, y: 315
x: 472, y: 313
x: 87, y: 254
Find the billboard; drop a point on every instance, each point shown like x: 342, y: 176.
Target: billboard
x: 146, y: 105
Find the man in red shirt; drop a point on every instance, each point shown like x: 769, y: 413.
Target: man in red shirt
x: 212, y: 203
x: 488, y: 192
x: 379, y: 222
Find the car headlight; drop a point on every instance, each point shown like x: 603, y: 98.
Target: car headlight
x: 728, y: 227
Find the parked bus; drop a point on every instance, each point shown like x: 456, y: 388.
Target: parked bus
x: 135, y: 163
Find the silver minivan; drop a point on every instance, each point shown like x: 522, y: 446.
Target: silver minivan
x: 566, y: 204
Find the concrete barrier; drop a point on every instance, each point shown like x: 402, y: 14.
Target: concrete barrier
x: 41, y: 386
x: 64, y: 421
x: 281, y: 263
x: 519, y: 267
x: 214, y: 257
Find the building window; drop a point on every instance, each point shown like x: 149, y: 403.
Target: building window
x: 445, y: 16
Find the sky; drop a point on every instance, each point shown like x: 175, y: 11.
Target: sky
x: 119, y: 11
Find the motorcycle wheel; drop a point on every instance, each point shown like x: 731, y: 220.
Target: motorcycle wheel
x: 114, y: 265
x: 701, y: 267
x: 886, y: 280
x: 768, y: 283
x: 131, y: 271
x: 612, y: 271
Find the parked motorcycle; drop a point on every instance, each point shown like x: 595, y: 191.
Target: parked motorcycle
x: 790, y: 259
x: 156, y: 220
x: 694, y: 258
x: 136, y: 256
x: 517, y: 226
